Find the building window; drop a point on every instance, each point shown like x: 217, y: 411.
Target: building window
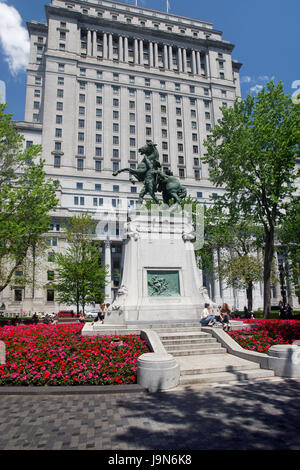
x: 115, y: 114
x: 115, y: 166
x: 98, y: 187
x: 115, y: 102
x: 116, y: 140
x: 115, y: 153
x: 50, y: 295
x: 132, y: 142
x: 206, y: 91
x: 58, y: 132
x: 79, y: 164
x: 59, y: 106
x: 57, y: 146
x: 199, y: 194
x: 132, y: 155
x: 98, y: 151
x: 82, y: 72
x: 76, y: 200
x: 98, y: 125
x: 133, y: 189
x: 51, y: 257
x: 132, y: 129
x: 81, y: 123
x: 99, y: 112
x: 80, y: 150
x: 61, y: 67
x: 98, y: 165
x: 59, y: 119
x: 81, y: 136
x: 181, y: 173
x: 36, y: 105
x: 79, y: 185
x: 197, y: 174
x: 57, y: 161
x: 18, y: 295
x: 116, y: 188
x: 50, y: 275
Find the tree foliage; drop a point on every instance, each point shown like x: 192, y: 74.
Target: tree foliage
x: 80, y: 279
x: 252, y: 154
x: 26, y: 197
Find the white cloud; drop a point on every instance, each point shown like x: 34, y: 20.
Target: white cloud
x: 256, y: 88
x: 246, y: 79
x: 13, y: 39
x: 2, y: 92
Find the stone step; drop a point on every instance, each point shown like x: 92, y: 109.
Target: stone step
x: 212, y: 369
x: 179, y: 347
x: 220, y: 377
x: 177, y: 330
x: 198, y: 351
x: 185, y: 335
x: 201, y: 340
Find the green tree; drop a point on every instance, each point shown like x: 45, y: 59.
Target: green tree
x: 289, y: 238
x: 238, y: 241
x: 80, y: 278
x: 26, y: 197
x: 252, y: 154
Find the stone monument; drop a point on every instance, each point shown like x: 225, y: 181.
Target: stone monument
x: 160, y: 281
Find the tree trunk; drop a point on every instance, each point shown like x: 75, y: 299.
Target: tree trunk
x: 268, y: 259
x: 250, y: 296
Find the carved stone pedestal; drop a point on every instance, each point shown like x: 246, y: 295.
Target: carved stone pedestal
x: 160, y: 281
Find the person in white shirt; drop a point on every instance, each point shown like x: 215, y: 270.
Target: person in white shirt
x: 207, y: 319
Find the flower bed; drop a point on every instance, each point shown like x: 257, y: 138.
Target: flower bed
x: 266, y: 334
x: 59, y: 355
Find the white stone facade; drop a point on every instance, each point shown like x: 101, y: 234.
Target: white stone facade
x: 103, y: 78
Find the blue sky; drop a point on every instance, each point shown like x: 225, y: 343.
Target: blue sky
x: 265, y: 33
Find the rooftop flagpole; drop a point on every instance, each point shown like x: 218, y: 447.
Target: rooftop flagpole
x: 168, y: 6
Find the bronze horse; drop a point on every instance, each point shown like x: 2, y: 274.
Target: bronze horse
x: 149, y: 171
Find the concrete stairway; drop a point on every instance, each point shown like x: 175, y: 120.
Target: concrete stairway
x: 202, y: 359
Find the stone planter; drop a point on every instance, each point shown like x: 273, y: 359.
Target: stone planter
x: 157, y: 371
x: 285, y: 360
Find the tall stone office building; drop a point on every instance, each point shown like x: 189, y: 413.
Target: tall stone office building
x: 103, y: 78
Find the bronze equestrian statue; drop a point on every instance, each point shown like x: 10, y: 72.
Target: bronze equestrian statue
x: 155, y: 180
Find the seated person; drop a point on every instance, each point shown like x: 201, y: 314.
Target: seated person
x: 207, y: 319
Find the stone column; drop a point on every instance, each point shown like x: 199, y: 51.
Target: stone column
x: 155, y: 54
x: 89, y: 42
x: 95, y: 52
x: 277, y: 290
x: 198, y: 59
x: 184, y: 62
x: 141, y: 52
x: 151, y: 57
x: 170, y: 57
x: 110, y: 47
x: 126, y: 49
x: 105, y: 46
x: 121, y: 51
x: 179, y: 53
x: 136, y: 51
x: 107, y: 257
x: 166, y: 56
x: 217, y: 296
x: 194, y: 70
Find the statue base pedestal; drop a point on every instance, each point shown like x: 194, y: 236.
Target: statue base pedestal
x: 160, y: 281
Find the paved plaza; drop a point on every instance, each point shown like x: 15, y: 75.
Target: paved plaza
x: 262, y: 415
